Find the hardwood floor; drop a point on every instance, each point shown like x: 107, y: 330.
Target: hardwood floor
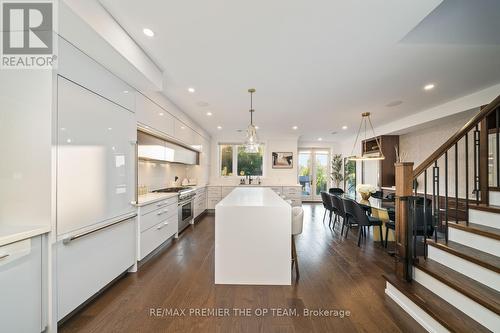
x: 334, y: 275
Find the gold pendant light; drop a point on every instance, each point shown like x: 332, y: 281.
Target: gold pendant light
x: 365, y: 121
x: 252, y: 140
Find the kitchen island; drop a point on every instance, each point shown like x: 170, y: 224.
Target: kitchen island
x: 253, y: 238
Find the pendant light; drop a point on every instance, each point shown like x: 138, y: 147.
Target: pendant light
x: 365, y: 121
x: 252, y: 141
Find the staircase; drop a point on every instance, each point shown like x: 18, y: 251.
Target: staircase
x: 448, y: 280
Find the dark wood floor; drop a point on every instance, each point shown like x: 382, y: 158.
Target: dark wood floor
x: 335, y: 274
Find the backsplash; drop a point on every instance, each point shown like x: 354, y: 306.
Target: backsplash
x: 156, y: 175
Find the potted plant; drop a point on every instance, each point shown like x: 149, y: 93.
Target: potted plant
x: 336, y: 176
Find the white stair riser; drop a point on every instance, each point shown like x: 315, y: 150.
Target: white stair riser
x: 479, y: 313
x: 485, y: 218
x: 482, y: 243
x: 422, y: 317
x: 476, y: 272
x: 494, y: 198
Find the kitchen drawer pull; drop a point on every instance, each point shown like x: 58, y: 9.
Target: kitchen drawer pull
x: 162, y: 203
x: 162, y: 225
x: 69, y: 239
x: 162, y: 212
x: 3, y: 256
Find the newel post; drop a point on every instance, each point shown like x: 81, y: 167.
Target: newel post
x: 404, y: 189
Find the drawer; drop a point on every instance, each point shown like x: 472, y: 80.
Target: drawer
x: 157, y: 235
x: 21, y: 286
x: 156, y: 205
x: 201, y: 191
x: 214, y: 191
x: 88, y: 264
x: 290, y: 191
x: 226, y: 190
x: 277, y: 189
x: 199, y: 198
x: 211, y: 202
x: 157, y: 216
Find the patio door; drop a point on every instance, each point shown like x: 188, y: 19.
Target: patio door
x: 313, y: 172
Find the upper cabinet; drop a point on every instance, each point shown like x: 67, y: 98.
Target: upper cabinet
x: 151, y: 115
x: 183, y: 133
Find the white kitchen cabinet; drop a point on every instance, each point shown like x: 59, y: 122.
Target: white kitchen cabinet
x: 95, y: 158
x: 21, y: 286
x: 211, y: 202
x: 226, y: 190
x: 151, y: 115
x: 200, y: 201
x: 88, y: 263
x: 158, y: 221
x: 183, y: 133
x: 214, y: 191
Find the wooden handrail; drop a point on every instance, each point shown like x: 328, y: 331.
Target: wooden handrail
x: 456, y: 137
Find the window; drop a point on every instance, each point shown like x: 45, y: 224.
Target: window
x: 234, y: 161
x: 226, y: 160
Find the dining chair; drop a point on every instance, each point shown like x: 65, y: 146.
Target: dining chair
x: 327, y: 204
x: 297, y: 226
x: 365, y: 221
x: 349, y: 214
x: 339, y: 205
x: 378, y: 195
x: 336, y: 190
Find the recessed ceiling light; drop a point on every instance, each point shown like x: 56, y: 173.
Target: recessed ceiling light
x: 148, y: 32
x: 429, y: 86
x: 344, y: 127
x: 125, y: 91
x: 161, y: 114
x: 68, y: 140
x: 209, y: 113
x: 320, y: 139
x: 219, y: 127
x: 295, y: 127
x: 256, y: 127
x: 109, y: 128
x: 191, y: 90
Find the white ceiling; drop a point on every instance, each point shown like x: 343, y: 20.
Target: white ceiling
x: 315, y: 64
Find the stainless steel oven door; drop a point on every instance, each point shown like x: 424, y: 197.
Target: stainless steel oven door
x: 185, y: 213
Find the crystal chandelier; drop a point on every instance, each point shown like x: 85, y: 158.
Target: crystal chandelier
x: 365, y: 121
x: 252, y: 141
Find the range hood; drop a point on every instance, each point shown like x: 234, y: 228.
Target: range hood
x: 156, y: 149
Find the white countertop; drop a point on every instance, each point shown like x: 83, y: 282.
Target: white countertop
x: 146, y: 199
x: 13, y: 233
x: 252, y: 197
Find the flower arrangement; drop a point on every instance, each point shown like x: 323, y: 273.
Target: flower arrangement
x: 365, y: 190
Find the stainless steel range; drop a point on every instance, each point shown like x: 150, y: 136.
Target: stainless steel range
x: 185, y: 204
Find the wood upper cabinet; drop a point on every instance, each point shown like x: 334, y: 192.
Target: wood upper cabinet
x: 151, y: 115
x: 381, y: 171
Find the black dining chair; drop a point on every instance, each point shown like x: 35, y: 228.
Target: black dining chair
x: 378, y: 195
x: 391, y: 224
x: 363, y: 219
x: 336, y: 190
x: 340, y: 213
x: 327, y: 204
x: 349, y: 214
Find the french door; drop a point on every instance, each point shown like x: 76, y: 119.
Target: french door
x: 314, y: 172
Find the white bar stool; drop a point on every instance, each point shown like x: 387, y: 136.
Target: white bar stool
x: 297, y: 225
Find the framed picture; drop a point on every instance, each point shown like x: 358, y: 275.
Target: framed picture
x: 282, y: 160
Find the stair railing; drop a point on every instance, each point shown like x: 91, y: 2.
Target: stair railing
x: 441, y: 189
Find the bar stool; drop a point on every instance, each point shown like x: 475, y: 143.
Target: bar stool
x: 297, y: 224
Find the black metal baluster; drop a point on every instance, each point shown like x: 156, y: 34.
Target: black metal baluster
x: 446, y: 195
x: 467, y: 178
x: 476, y: 163
x: 425, y: 214
x: 456, y: 182
x: 435, y: 196
x: 497, y: 135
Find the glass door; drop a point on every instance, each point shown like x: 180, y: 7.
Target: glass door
x: 313, y: 172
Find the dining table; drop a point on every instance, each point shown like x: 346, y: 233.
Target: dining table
x: 378, y: 208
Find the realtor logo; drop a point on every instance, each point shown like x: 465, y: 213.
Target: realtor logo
x: 27, y: 34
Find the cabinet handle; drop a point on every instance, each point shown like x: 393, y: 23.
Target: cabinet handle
x: 4, y: 256
x: 161, y: 225
x: 161, y: 204
x: 162, y: 212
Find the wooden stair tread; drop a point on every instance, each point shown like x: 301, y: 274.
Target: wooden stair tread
x: 443, y: 312
x: 478, y: 229
x: 478, y: 257
x: 478, y: 292
x: 486, y: 208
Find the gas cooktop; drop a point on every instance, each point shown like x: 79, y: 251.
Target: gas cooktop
x: 172, y: 189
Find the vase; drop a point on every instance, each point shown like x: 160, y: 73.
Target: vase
x: 365, y: 195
